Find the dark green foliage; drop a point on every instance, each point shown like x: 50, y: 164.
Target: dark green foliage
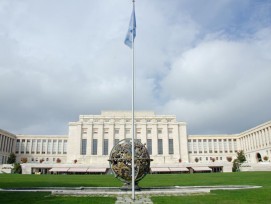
x: 11, y: 158
x: 238, y: 161
x: 17, y: 169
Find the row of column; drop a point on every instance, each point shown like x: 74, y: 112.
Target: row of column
x: 256, y: 140
x: 41, y: 146
x: 6, y: 143
x: 212, y: 145
x: 98, y: 132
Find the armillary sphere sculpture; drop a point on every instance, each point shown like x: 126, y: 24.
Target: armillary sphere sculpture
x: 121, y: 162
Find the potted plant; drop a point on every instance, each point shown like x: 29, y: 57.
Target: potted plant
x: 229, y: 159
x: 265, y: 158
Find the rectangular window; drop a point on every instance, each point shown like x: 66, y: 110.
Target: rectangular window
x: 215, y: 146
x: 54, y: 146
x: 94, y: 146
x: 230, y: 145
x: 117, y: 131
x: 127, y: 131
x: 59, y: 149
x: 43, y: 146
x: 170, y: 146
x: 84, y: 130
x: 17, y: 146
x: 116, y: 141
x: 106, y: 130
x: 138, y: 131
x: 205, y: 146
x: 33, y: 147
x: 148, y: 131
x: 22, y: 146
x: 95, y: 130
x: 195, y: 148
x: 38, y: 146
x: 49, y: 146
x: 105, y: 149
x: 65, y: 147
x: 220, y: 146
x: 160, y: 146
x: 27, y: 146
x: 170, y: 130
x: 84, y: 147
x: 149, y: 146
x: 189, y: 146
x: 159, y: 131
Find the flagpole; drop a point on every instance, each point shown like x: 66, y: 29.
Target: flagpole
x: 133, y: 112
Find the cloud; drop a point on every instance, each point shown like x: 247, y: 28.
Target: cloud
x: 60, y: 59
x: 221, y: 84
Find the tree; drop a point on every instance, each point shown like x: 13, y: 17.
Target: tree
x: 17, y: 169
x: 238, y: 161
x: 11, y: 158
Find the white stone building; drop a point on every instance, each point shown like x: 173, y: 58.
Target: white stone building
x: 87, y: 147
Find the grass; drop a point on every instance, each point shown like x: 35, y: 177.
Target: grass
x: 45, y: 197
x: 262, y: 195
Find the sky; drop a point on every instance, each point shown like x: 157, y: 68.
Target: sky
x: 207, y: 62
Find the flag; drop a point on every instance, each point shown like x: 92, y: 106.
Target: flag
x: 131, y: 33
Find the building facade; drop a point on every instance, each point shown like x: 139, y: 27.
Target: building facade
x: 7, y: 140
x: 87, y: 146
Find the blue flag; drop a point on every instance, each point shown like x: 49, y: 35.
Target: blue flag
x: 130, y: 36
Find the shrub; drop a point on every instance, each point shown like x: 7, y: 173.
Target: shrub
x: 229, y: 159
x: 17, y: 169
x: 265, y: 158
x: 11, y: 158
x: 196, y: 159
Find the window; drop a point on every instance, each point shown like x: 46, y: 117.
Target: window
x: 105, y: 149
x: 170, y: 146
x: 149, y: 146
x: 106, y: 130
x: 38, y: 146
x: 43, y: 146
x: 205, y: 146
x: 65, y: 147
x: 49, y: 146
x: 95, y: 130
x: 160, y: 146
x: 17, y: 146
x: 117, y: 131
x: 27, y: 146
x: 116, y: 141
x: 138, y: 130
x: 127, y: 131
x: 84, y: 130
x: 59, y: 146
x: 33, y: 147
x: 148, y: 131
x: 22, y: 146
x: 170, y: 130
x: 84, y: 147
x: 159, y: 131
x: 189, y: 146
x: 94, y: 146
x: 54, y: 146
x: 195, y: 146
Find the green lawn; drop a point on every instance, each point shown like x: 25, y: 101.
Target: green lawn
x: 262, y: 195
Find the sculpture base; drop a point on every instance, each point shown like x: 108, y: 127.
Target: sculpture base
x: 128, y: 187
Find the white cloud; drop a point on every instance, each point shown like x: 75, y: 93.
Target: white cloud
x: 59, y: 59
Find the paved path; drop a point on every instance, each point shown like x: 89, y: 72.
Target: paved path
x: 128, y: 199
